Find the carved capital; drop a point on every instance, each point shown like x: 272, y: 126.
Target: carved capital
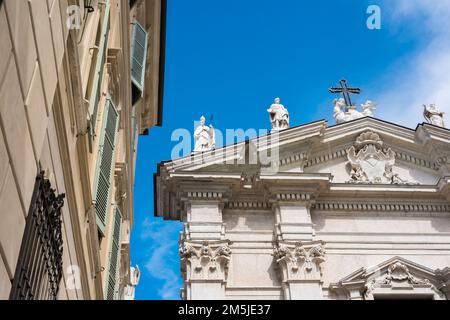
x: 207, y: 260
x: 301, y: 260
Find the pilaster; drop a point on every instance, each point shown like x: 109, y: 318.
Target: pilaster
x: 293, y: 216
x: 203, y: 215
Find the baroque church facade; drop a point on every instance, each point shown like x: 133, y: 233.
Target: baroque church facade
x: 359, y: 210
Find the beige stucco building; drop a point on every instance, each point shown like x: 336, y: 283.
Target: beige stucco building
x: 359, y: 210
x: 79, y: 80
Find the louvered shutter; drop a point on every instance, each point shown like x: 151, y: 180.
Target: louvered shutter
x: 100, y: 66
x: 104, y: 170
x: 139, y: 43
x: 112, y: 289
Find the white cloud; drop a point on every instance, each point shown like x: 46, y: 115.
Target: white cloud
x: 164, y: 255
x: 425, y: 75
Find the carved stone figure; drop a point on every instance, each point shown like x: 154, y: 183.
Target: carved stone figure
x: 279, y: 116
x: 432, y: 115
x: 204, y: 137
x: 370, y: 163
x: 368, y: 108
x: 343, y: 113
x: 135, y: 276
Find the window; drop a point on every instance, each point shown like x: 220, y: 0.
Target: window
x: 39, y: 268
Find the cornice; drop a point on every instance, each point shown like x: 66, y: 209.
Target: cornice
x: 247, y: 205
x: 378, y: 126
x: 412, y: 208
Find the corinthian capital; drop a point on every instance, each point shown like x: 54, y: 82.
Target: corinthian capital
x: 207, y: 260
x: 301, y: 260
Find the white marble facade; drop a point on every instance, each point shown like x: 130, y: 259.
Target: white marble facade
x: 359, y: 210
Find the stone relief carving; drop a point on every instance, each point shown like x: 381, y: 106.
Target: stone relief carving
x: 300, y: 260
x: 397, y: 275
x: 370, y: 163
x: 343, y: 113
x: 206, y: 260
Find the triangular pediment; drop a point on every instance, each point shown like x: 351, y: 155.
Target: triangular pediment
x: 381, y: 269
x: 394, y: 277
x: 318, y: 148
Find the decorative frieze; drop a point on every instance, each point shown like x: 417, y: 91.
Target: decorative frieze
x: 341, y: 153
x: 204, y: 195
x: 414, y: 160
x: 381, y: 207
x: 293, y: 197
x: 301, y: 158
x: 248, y: 205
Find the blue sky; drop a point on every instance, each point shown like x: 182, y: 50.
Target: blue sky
x: 231, y: 58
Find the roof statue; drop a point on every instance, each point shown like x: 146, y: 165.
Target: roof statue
x: 432, y: 115
x: 279, y: 116
x: 204, y: 137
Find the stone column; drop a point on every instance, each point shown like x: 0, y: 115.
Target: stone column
x: 300, y: 264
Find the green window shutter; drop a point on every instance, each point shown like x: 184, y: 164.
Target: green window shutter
x: 105, y: 163
x: 112, y: 288
x: 100, y: 66
x: 139, y: 43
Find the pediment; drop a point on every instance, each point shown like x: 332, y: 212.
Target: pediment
x: 418, y: 156
x: 316, y: 158
x: 395, y: 276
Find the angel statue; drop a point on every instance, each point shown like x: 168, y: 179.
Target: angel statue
x: 343, y: 113
x: 368, y: 108
x: 204, y: 137
x: 339, y: 110
x: 432, y: 115
x: 279, y: 116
